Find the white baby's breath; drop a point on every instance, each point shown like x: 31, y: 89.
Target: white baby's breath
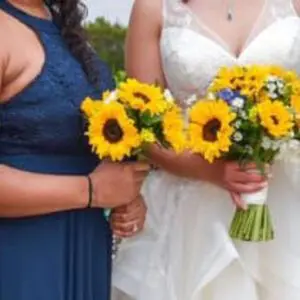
x: 191, y: 100
x: 266, y: 143
x: 237, y: 137
x: 113, y: 96
x: 238, y: 124
x: 211, y: 96
x: 238, y: 102
x: 168, y: 96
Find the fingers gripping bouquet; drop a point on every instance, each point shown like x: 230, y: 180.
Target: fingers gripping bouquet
x: 246, y: 117
x: 126, y: 120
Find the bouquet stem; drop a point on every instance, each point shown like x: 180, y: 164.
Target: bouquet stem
x: 255, y: 223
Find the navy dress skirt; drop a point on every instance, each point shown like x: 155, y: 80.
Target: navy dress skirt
x: 66, y: 255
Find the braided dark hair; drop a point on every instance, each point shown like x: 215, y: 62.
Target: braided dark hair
x: 69, y: 15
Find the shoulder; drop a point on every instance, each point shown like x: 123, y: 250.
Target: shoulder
x: 147, y: 12
x: 4, y: 48
x: 296, y: 5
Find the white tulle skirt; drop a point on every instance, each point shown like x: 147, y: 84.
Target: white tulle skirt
x: 185, y: 252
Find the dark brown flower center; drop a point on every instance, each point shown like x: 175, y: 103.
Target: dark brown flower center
x: 211, y: 129
x: 112, y: 131
x: 275, y: 120
x: 142, y: 96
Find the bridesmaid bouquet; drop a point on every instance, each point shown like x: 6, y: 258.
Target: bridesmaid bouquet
x: 123, y: 122
x: 248, y: 114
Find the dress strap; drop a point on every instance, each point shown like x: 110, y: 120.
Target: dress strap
x: 35, y: 23
x: 283, y: 8
x: 175, y: 13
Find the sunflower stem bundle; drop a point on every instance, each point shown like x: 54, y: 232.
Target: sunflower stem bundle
x: 248, y: 114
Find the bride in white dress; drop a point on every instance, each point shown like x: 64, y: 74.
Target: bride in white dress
x: 185, y: 252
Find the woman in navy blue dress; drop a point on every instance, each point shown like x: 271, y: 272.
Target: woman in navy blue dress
x: 55, y: 243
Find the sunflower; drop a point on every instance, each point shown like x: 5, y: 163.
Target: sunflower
x: 277, y: 71
x: 111, y: 133
x: 173, y: 129
x: 275, y: 118
x: 142, y: 97
x: 210, y: 128
x: 295, y: 103
x: 255, y: 77
x: 90, y: 106
x: 148, y: 136
x: 228, y: 78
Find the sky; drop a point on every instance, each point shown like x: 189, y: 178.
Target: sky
x: 113, y: 10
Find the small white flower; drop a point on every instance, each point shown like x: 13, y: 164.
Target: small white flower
x: 238, y: 102
x: 243, y: 115
x: 168, y: 96
x: 237, y: 137
x: 111, y: 97
x: 266, y: 143
x: 191, y: 100
x: 272, y: 95
x: 272, y: 87
x: 238, y: 124
x: 280, y: 84
x: 249, y: 149
x: 280, y: 91
x: 211, y: 96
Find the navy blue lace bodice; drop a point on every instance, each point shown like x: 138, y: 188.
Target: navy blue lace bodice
x: 45, y: 117
x: 64, y: 255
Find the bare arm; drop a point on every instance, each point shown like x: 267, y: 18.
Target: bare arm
x: 27, y: 194
x: 143, y: 61
x: 142, y: 55
x: 297, y: 6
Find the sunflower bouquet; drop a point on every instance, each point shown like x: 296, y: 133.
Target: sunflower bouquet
x: 123, y: 122
x: 247, y: 116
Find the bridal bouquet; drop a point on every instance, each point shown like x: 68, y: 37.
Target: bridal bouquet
x: 246, y: 117
x: 124, y: 121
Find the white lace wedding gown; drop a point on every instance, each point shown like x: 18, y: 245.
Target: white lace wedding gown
x: 185, y: 252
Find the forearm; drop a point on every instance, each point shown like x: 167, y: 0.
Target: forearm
x: 185, y: 165
x: 26, y: 194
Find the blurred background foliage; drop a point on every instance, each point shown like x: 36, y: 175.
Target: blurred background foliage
x: 108, y: 40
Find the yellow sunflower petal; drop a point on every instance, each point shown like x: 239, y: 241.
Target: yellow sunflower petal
x: 275, y: 118
x: 210, y: 128
x: 142, y: 97
x: 111, y: 133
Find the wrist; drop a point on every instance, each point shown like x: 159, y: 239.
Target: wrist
x: 90, y: 192
x: 82, y: 198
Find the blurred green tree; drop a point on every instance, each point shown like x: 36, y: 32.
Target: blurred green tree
x: 108, y: 41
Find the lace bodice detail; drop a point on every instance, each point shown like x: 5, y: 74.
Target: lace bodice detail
x: 45, y: 117
x: 192, y: 54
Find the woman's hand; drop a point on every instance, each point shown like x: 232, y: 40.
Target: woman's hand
x: 237, y: 180
x: 228, y: 175
x: 128, y: 220
x: 116, y: 184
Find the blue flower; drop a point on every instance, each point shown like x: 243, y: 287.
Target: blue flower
x: 228, y: 95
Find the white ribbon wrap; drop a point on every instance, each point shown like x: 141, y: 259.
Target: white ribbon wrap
x: 258, y: 198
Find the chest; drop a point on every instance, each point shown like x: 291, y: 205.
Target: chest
x: 191, y: 59
x: 230, y: 22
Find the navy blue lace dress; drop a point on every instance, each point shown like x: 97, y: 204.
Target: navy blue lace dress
x: 60, y: 256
